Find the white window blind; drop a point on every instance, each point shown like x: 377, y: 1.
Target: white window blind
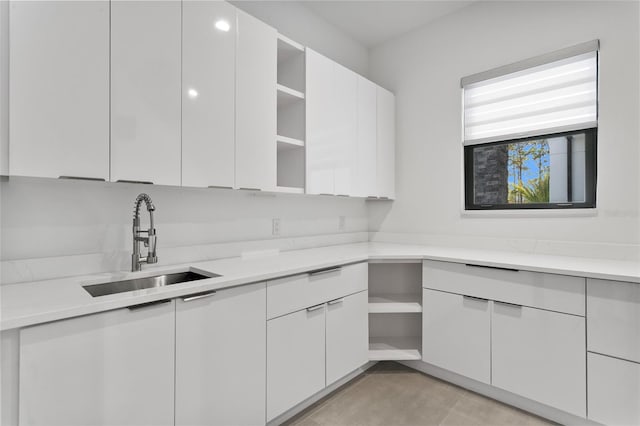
x: 553, y: 97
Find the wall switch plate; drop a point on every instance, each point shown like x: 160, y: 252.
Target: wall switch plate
x: 342, y: 223
x: 275, y: 226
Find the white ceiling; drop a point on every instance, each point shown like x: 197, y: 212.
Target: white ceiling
x: 373, y: 22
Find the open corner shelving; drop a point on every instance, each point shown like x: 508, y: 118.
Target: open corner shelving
x: 290, y: 90
x: 395, y: 297
x: 394, y: 348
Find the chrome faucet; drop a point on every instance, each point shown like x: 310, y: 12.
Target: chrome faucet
x: 149, y: 241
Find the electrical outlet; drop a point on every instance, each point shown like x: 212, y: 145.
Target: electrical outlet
x: 275, y: 226
x: 342, y: 223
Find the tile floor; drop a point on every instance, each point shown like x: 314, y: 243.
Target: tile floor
x: 391, y: 394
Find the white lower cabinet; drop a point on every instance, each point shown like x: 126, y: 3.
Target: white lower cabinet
x: 614, y: 390
x: 112, y: 368
x: 295, y: 358
x: 613, y: 320
x: 347, y: 335
x: 220, y: 357
x: 457, y: 334
x: 540, y: 355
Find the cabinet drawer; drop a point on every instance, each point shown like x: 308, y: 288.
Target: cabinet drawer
x: 613, y: 319
x: 539, y: 290
x: 540, y: 355
x: 614, y: 390
x: 301, y: 291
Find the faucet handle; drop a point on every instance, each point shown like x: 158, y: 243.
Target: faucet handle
x: 151, y: 243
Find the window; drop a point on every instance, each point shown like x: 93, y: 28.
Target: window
x: 530, y: 133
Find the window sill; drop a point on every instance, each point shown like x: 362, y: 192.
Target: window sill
x: 533, y: 213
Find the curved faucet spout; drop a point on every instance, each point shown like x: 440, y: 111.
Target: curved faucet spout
x: 149, y: 241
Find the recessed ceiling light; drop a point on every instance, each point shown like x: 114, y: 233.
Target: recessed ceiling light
x: 223, y: 25
x: 193, y: 93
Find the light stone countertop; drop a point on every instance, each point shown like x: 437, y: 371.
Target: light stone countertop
x: 30, y: 303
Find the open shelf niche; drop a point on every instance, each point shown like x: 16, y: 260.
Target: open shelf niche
x: 395, y: 305
x: 291, y: 116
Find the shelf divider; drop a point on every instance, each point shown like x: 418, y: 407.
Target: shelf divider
x: 395, y: 303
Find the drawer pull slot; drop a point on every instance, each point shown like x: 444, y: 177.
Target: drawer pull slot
x: 143, y: 182
x: 335, y: 302
x: 82, y: 178
x: 197, y: 296
x: 471, y: 265
x: 476, y: 299
x: 325, y: 271
x: 315, y: 308
x: 512, y: 305
x: 148, y: 304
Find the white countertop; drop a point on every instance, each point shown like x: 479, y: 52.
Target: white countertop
x: 25, y: 304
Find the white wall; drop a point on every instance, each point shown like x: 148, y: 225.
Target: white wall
x: 424, y: 69
x: 48, y: 218
x: 299, y: 23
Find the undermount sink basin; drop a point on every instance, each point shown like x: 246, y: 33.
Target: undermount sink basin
x: 113, y: 287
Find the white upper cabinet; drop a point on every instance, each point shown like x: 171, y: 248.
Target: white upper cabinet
x: 365, y: 176
x: 321, y: 131
x: 386, y: 106
x: 350, y: 132
x: 209, y: 33
x: 332, y: 114
x: 256, y: 76
x: 345, y: 113
x: 59, y: 86
x: 145, y: 91
x: 4, y: 88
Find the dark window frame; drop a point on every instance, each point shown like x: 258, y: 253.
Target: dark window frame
x: 591, y: 145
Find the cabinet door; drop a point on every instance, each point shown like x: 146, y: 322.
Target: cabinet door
x: 321, y: 133
x: 220, y: 357
x: 59, y: 108
x: 295, y: 359
x: 345, y: 110
x: 456, y: 334
x: 366, y: 156
x: 614, y: 390
x: 256, y: 120
x: 208, y: 93
x: 540, y: 355
x: 386, y: 107
x: 4, y: 88
x: 347, y: 335
x: 613, y: 320
x: 112, y: 368
x: 145, y: 91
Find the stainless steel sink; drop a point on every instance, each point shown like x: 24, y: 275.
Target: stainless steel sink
x: 113, y: 287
